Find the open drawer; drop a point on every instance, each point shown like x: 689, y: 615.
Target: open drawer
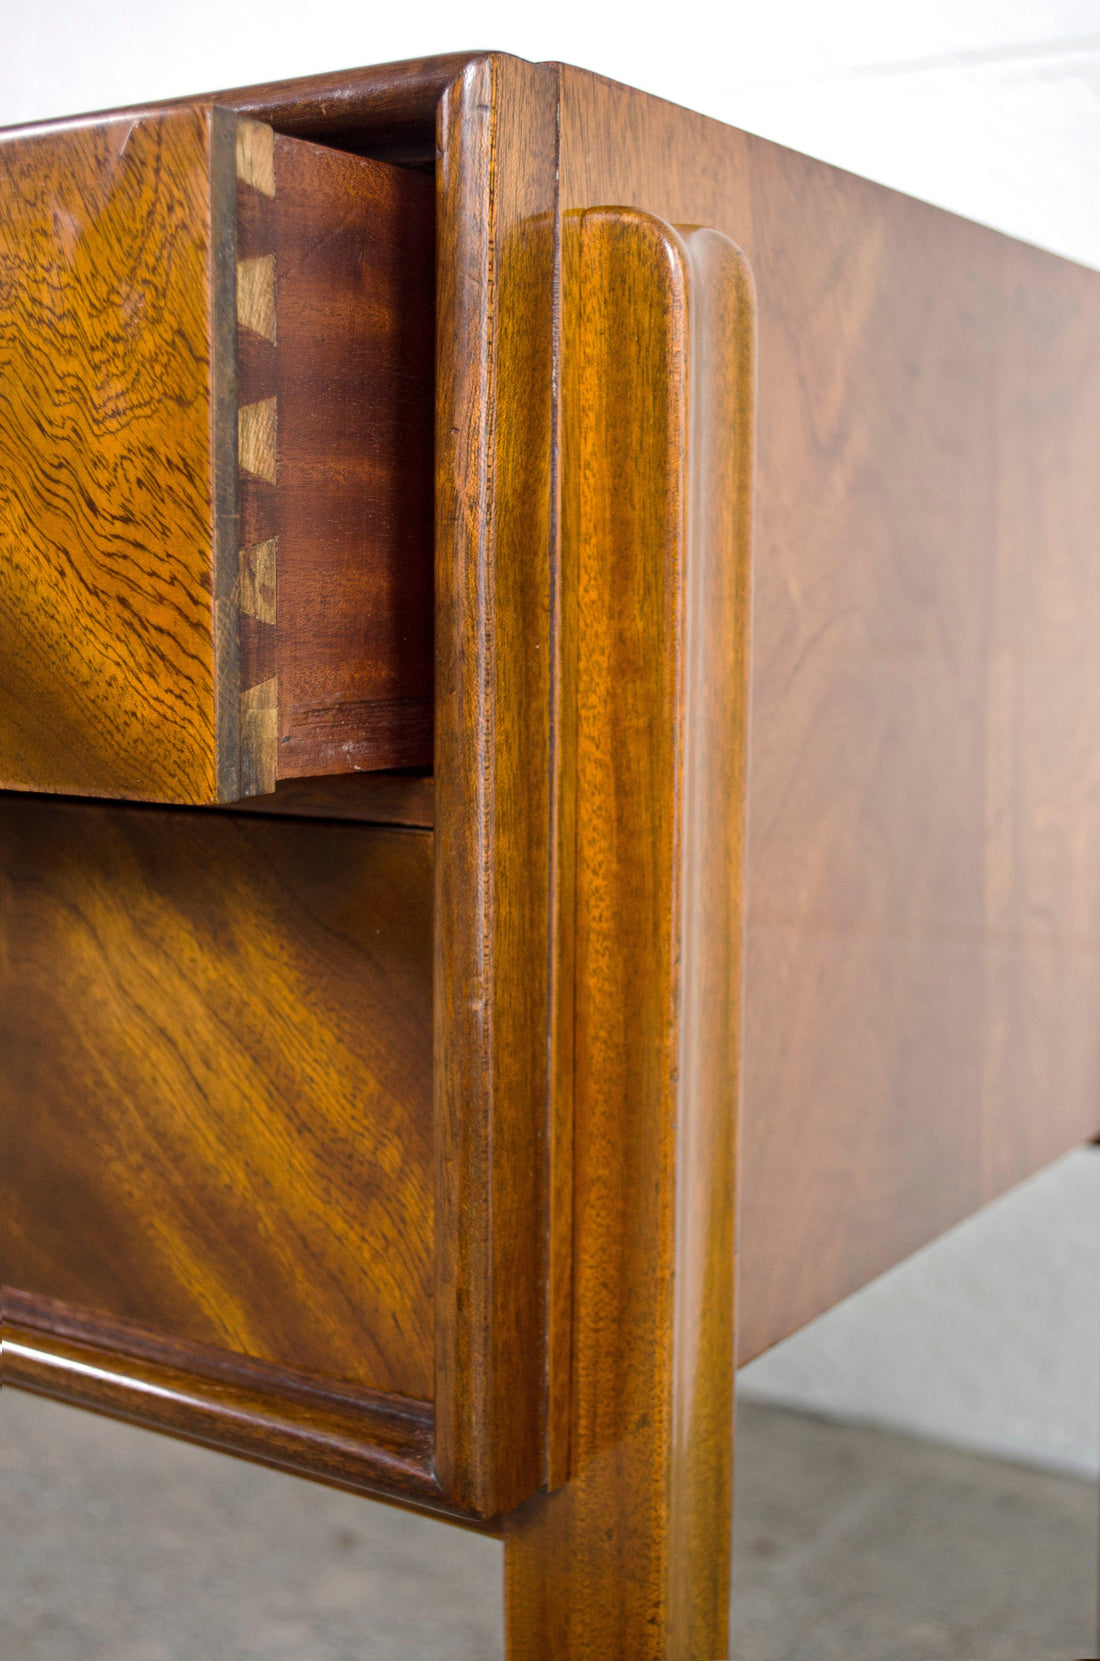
x: 273, y: 1082
x: 216, y: 435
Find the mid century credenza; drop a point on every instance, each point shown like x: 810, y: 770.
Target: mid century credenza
x: 420, y: 914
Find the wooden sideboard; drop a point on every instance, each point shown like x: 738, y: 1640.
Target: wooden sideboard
x: 407, y: 956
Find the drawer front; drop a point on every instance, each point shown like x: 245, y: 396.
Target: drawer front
x: 107, y: 533
x: 215, y: 1066
x: 300, y: 1214
x: 215, y: 459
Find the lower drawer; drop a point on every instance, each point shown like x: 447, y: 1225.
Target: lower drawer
x: 215, y: 1066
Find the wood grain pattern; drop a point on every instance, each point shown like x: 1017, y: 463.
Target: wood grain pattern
x: 260, y: 737
x: 107, y: 656
x: 215, y: 1066
x: 365, y: 798
x: 494, y: 529
x: 337, y: 430
x: 923, y: 834
x: 257, y: 438
x: 333, y: 1432
x: 258, y: 580
x: 255, y: 156
x: 166, y: 315
x: 631, y: 1558
x: 383, y: 110
x: 387, y: 111
x: 256, y: 295
x: 517, y: 503
x: 369, y: 798
x: 924, y: 830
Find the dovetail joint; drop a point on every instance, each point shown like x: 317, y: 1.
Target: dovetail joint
x: 256, y: 156
x: 259, y: 737
x: 256, y: 433
x: 256, y: 295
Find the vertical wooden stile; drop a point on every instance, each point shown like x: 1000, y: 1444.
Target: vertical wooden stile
x: 630, y: 1558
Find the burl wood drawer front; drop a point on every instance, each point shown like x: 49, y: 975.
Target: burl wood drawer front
x: 215, y: 1083
x: 216, y: 410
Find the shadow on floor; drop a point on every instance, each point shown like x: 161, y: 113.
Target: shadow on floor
x: 119, y: 1545
x: 857, y: 1544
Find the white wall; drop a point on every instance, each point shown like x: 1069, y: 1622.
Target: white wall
x: 988, y: 107
x: 989, y: 1338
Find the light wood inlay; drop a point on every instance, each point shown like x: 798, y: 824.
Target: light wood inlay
x: 256, y: 156
x: 260, y: 736
x: 256, y: 295
x: 256, y: 424
x: 256, y: 594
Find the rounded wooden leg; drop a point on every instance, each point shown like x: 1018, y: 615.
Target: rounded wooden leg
x: 628, y: 1560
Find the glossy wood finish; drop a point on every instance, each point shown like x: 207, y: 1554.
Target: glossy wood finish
x: 179, y: 293
x: 924, y: 832
x: 631, y: 1557
x: 365, y: 798
x: 490, y: 799
x: 387, y: 110
x: 922, y: 847
x: 107, y: 532
x: 329, y: 1430
x: 494, y: 530
x: 336, y: 329
x: 215, y: 1066
x: 370, y: 798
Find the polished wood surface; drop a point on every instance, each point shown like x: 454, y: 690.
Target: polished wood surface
x: 370, y: 798
x: 631, y: 1558
x: 107, y: 656
x: 494, y: 530
x: 328, y: 1430
x: 495, y: 1253
x: 335, y: 306
x: 215, y: 1070
x: 922, y: 973
x: 388, y: 111
x: 490, y: 797
x: 178, y: 294
x: 367, y: 798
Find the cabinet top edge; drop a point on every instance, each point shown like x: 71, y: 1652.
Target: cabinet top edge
x: 403, y: 95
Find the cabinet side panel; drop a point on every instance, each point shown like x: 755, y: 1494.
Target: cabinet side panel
x: 923, y: 888
x: 106, y: 576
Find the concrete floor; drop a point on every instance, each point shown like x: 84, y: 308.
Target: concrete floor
x: 117, y: 1545
x: 866, y: 1546
x: 120, y: 1545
